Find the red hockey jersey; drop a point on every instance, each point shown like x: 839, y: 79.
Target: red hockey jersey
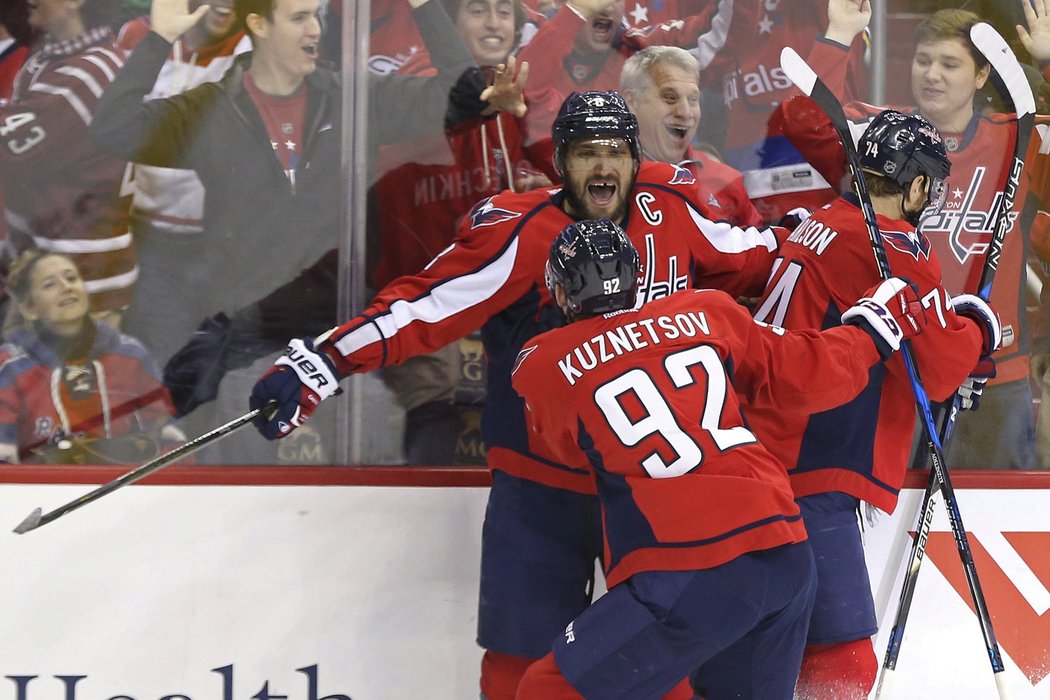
x: 427, y: 184
x: 62, y: 192
x: 492, y: 275
x: 650, y: 400
x: 860, y: 448
x: 961, y: 231
x: 113, y: 390
x: 721, y: 188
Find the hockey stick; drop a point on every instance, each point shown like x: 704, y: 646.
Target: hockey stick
x: 806, y: 79
x: 1015, y: 87
x: 37, y: 518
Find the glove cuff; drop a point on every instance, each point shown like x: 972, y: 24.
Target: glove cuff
x: 977, y: 309
x: 874, y: 319
x: 314, y: 369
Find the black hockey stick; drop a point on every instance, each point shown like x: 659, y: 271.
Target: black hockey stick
x: 37, y: 518
x: 1015, y: 88
x: 806, y: 80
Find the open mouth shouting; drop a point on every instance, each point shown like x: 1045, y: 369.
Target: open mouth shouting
x: 601, y: 193
x: 603, y: 29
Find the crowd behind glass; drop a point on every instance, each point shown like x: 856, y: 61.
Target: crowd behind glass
x: 141, y: 300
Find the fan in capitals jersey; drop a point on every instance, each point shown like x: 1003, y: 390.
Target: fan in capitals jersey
x: 860, y: 448
x: 492, y: 276
x: 62, y: 192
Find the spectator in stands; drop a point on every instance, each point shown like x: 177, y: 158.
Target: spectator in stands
x: 217, y: 129
x: 661, y: 85
x: 168, y: 203
x: 418, y: 216
x: 69, y: 385
x: 579, y: 49
x: 15, y: 38
x: 62, y: 192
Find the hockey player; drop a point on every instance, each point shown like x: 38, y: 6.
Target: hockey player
x: 61, y: 191
x: 542, y: 531
x: 859, y: 451
x: 947, y: 72
x: 704, y: 546
x: 661, y: 85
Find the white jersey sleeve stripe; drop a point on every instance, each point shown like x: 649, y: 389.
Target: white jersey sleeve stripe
x: 75, y: 102
x: 106, y: 284
x: 107, y: 67
x: 78, y: 246
x: 83, y: 76
x: 727, y: 238
x: 443, y: 301
x: 712, y: 41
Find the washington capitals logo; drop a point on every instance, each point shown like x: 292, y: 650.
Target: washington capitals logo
x: 487, y: 214
x: 906, y: 243
x: 681, y: 176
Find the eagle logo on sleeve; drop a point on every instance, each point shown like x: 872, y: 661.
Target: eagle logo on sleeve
x: 485, y: 213
x: 681, y: 176
x: 911, y: 244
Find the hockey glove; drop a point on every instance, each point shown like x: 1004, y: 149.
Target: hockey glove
x: 889, y: 313
x: 298, y: 382
x: 977, y: 310
x: 971, y: 390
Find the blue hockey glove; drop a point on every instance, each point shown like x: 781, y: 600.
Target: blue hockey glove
x: 890, y: 313
x: 298, y: 382
x: 977, y: 309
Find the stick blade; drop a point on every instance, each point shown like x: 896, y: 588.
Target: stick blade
x: 796, y: 68
x: 998, y: 52
x: 31, y: 522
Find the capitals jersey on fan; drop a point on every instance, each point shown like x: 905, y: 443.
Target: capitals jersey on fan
x: 961, y: 231
x: 492, y: 276
x: 62, y: 192
x: 860, y: 448
x: 650, y: 400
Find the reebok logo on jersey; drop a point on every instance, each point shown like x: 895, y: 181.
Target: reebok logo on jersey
x: 487, y: 214
x: 570, y: 635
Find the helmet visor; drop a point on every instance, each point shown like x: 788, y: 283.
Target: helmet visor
x: 584, y: 154
x: 936, y: 195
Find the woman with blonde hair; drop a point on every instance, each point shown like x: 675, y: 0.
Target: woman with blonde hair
x: 69, y: 384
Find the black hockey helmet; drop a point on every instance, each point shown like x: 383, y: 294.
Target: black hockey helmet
x: 903, y: 147
x: 591, y: 114
x: 597, y: 266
